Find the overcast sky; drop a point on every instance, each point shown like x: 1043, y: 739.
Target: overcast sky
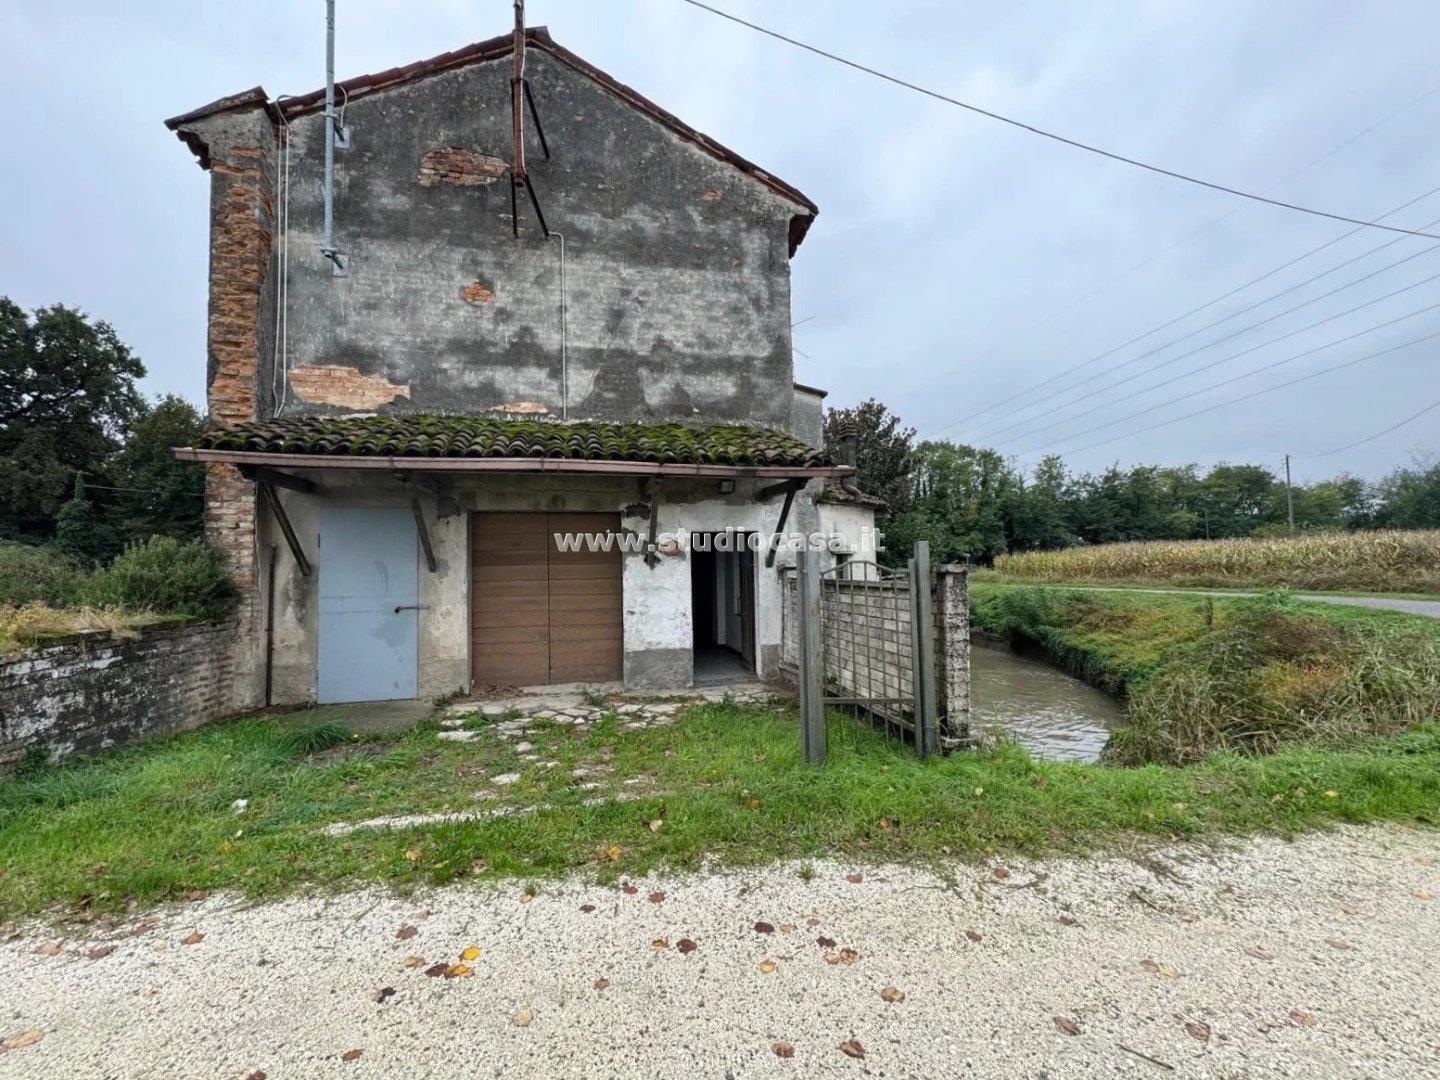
x: 956, y: 262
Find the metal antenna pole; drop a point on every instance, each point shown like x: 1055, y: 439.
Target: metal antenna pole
x: 327, y: 244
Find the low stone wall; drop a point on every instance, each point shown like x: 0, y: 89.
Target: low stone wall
x: 93, y: 691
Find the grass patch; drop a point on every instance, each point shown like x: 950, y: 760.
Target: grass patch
x: 1246, y: 675
x: 154, y: 822
x: 35, y: 623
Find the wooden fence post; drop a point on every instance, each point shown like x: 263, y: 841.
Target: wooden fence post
x: 812, y: 657
x: 952, y: 626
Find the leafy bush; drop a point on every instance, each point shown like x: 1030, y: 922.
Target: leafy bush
x: 35, y: 575
x: 162, y: 574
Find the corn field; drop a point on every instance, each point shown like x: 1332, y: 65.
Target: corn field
x: 1380, y: 561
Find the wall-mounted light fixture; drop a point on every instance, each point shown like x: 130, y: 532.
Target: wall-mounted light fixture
x: 727, y: 487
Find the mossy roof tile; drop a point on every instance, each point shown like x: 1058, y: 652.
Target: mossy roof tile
x: 486, y: 437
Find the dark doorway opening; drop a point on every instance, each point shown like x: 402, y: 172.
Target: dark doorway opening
x: 722, y: 590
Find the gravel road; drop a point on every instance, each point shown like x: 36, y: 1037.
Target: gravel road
x: 1316, y: 958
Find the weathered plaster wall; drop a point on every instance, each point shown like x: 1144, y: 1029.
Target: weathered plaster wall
x: 658, y: 630
x: 91, y: 692
x: 807, y: 415
x: 677, y: 264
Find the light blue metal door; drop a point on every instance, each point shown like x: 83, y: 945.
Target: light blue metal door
x: 369, y: 597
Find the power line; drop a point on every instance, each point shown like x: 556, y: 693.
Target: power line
x: 1258, y: 393
x: 1103, y: 286
x: 1371, y: 438
x: 1182, y: 317
x: 1077, y: 144
x: 1227, y: 337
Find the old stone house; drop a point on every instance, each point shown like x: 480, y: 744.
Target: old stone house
x: 402, y: 436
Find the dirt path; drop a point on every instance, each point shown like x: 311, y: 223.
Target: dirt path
x: 1312, y: 959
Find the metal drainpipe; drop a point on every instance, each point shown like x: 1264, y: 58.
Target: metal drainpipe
x: 564, y: 357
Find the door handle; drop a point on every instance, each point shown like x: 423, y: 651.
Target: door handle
x: 411, y: 607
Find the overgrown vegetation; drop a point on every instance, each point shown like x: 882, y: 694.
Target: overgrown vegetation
x: 1247, y: 676
x: 1385, y: 561
x: 725, y: 783
x: 44, y: 594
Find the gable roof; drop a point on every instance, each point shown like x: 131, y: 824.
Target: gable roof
x: 536, y: 37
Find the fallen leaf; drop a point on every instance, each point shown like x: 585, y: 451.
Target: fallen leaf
x: 101, y: 951
x: 258, y: 1074
x: 1332, y: 794
x: 892, y: 995
x: 1163, y: 970
x: 656, y: 897
x: 436, y: 970
x: 469, y: 953
x: 884, y: 823
x: 1259, y: 952
x: 351, y: 1055
x: 192, y: 938
x: 1337, y: 943
x: 630, y: 890
x: 522, y: 1018
x: 196, y: 895
x: 1189, y: 917
x: 1303, y: 1018
x: 752, y: 804
x: 661, y: 943
x: 783, y: 1049
x: 787, y: 927
x: 825, y: 942
x: 1001, y: 872
x: 812, y: 922
x: 832, y: 958
x: 848, y: 955
x: 655, y: 825
x: 525, y: 898
x: 413, y: 961
x: 975, y: 936
x: 1198, y: 1030
x: 685, y: 945
x: 25, y: 1038
x: 382, y: 995
x: 613, y: 852
x: 1423, y: 894
x: 602, y: 984
x: 1065, y: 1025
x: 405, y: 933
x: 767, y: 966
x: 411, y: 856
x: 1038, y: 780
x: 144, y: 928
x: 764, y: 928
x: 854, y: 879
x: 49, y: 949
x: 1065, y: 920
x: 459, y: 971
x: 852, y: 1048
x: 586, y: 909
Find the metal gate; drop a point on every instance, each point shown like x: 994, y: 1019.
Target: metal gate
x: 861, y: 637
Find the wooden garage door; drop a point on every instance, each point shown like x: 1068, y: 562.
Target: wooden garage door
x: 537, y: 614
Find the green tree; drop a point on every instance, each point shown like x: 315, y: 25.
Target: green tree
x: 883, y: 462
x: 79, y: 531
x: 1041, y: 512
x: 959, y: 501
x: 157, y: 495
x: 67, y: 399
x: 1409, y: 498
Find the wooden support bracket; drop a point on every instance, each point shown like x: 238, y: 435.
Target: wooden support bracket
x: 785, y: 487
x: 784, y: 517
x: 273, y: 501
x: 424, y: 533
x: 261, y: 475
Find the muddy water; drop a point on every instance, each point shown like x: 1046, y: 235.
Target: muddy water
x: 1051, y: 714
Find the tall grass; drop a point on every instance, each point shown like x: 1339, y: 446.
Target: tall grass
x: 1245, y: 676
x: 1381, y: 561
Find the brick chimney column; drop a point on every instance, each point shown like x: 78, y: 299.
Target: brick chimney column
x: 239, y: 152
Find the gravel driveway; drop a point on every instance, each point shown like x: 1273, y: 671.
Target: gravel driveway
x: 1315, y: 958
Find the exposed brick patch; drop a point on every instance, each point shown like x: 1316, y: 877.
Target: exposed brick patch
x: 240, y: 245
x: 712, y: 196
x: 477, y: 292
x: 456, y: 165
x: 521, y: 407
x: 335, y: 384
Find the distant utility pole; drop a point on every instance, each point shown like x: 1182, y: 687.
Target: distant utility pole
x: 1289, y: 498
